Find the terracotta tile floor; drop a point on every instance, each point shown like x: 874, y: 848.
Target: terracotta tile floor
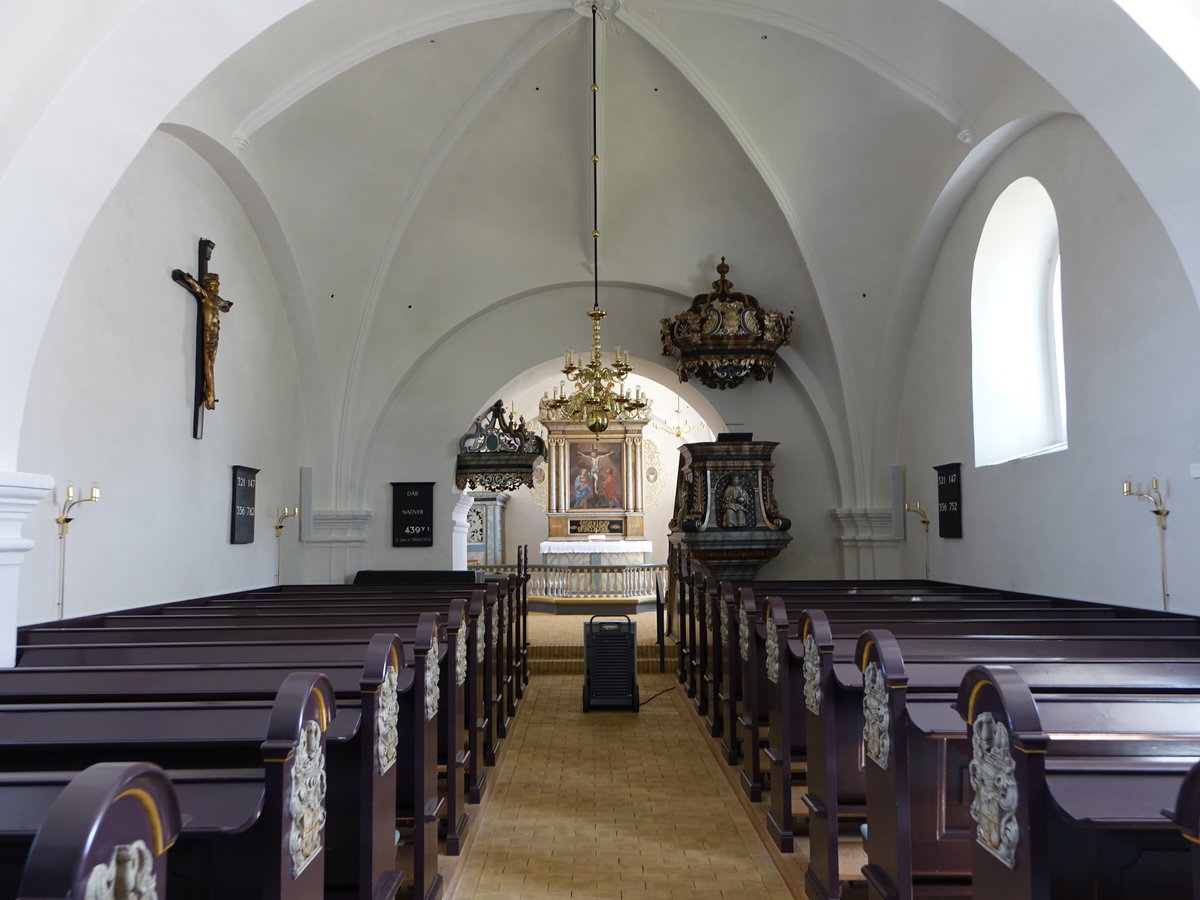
x: 611, y: 804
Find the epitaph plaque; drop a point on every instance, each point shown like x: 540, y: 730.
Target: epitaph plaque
x: 412, y: 513
x: 949, y: 500
x: 241, y: 514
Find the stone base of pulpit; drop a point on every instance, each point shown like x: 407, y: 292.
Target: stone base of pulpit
x: 731, y: 555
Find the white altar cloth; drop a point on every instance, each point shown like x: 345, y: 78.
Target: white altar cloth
x: 591, y: 546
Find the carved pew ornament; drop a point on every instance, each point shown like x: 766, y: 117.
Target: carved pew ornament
x: 128, y: 807
x: 306, y: 803
x: 993, y: 781
x: 877, y: 718
x: 1068, y: 791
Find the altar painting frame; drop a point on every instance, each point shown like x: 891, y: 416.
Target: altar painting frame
x: 596, y: 475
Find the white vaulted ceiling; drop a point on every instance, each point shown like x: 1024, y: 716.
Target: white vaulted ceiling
x: 413, y: 164
x: 426, y: 161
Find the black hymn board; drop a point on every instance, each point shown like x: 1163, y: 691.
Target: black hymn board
x: 241, y: 528
x: 412, y: 513
x: 949, y: 500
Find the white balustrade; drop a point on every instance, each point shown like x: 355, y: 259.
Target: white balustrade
x: 617, y: 581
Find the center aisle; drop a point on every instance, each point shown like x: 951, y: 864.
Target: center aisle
x: 611, y: 804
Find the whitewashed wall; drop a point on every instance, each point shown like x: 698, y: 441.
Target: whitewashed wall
x: 112, y: 392
x: 1058, y: 523
x: 416, y: 439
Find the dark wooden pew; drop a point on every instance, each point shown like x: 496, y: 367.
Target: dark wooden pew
x: 512, y: 625
x: 363, y: 791
x: 944, y: 617
x: 1186, y: 815
x: 488, y: 718
x: 416, y: 790
x: 475, y: 648
x: 705, y: 614
x: 290, y: 623
x: 501, y: 612
x: 712, y: 609
x: 732, y: 626
x: 918, y: 819
x: 68, y: 837
x: 817, y: 718
x: 1069, y: 790
x: 256, y: 830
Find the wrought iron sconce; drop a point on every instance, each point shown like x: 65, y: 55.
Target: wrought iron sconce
x: 915, y: 508
x: 64, y: 521
x: 1160, y: 512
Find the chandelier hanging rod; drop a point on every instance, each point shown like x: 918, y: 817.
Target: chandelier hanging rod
x: 595, y: 174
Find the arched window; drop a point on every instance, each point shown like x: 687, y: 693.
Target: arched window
x: 1016, y: 329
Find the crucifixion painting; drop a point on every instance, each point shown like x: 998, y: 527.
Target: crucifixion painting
x: 597, y: 471
x: 205, y: 287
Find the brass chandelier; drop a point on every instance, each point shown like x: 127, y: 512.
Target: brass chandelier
x: 597, y: 396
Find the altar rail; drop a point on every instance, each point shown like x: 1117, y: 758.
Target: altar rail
x: 588, y: 582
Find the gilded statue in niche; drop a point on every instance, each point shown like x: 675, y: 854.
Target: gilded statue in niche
x: 736, y: 505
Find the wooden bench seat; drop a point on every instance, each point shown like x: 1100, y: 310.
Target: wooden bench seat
x: 63, y: 837
x: 262, y: 744
x: 487, y: 665
x: 705, y: 602
x: 362, y: 793
x: 458, y: 738
x: 414, y: 794
x: 731, y: 618
x: 918, y: 818
x: 1069, y: 790
x: 961, y: 620
x: 499, y: 613
x: 511, y: 621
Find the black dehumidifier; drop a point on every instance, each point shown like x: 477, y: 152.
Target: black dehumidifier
x: 610, y: 664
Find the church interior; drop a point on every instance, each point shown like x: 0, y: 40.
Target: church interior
x: 981, y: 220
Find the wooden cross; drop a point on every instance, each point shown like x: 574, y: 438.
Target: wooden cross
x: 209, y: 306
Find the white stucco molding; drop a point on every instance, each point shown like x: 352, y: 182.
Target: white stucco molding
x: 864, y: 525
x: 20, y: 492
x: 340, y: 526
x: 870, y: 549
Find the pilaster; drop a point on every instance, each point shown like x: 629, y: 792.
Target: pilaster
x: 20, y: 492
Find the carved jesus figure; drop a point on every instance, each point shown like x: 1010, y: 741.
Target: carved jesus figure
x: 206, y: 292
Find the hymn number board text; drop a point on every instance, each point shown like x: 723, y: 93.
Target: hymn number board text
x: 241, y: 519
x: 949, y: 483
x: 412, y: 513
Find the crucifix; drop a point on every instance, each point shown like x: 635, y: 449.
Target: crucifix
x: 209, y: 306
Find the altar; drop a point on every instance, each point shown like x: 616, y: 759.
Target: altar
x: 596, y: 553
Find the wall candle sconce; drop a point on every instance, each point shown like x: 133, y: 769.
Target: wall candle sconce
x: 915, y: 508
x: 1160, y: 512
x: 289, y: 512
x: 64, y: 521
